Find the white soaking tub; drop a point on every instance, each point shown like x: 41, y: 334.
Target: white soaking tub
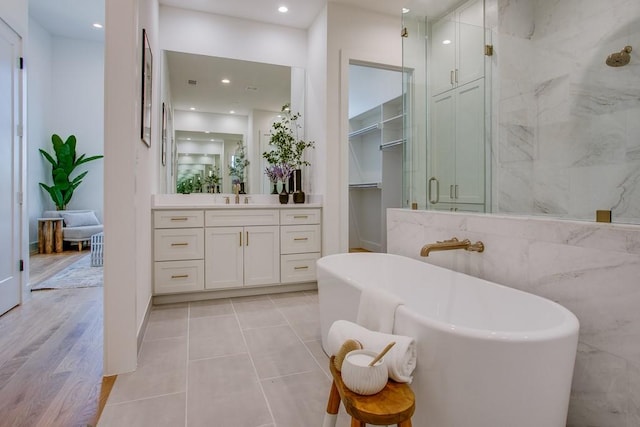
x: 488, y: 355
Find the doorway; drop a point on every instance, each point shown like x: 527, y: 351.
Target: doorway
x: 376, y: 150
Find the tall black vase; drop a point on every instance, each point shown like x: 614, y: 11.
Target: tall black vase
x: 290, y: 186
x: 283, y: 197
x: 275, y: 188
x: 298, y: 195
x: 241, y: 188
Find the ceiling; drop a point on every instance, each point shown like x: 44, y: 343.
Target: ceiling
x: 252, y: 85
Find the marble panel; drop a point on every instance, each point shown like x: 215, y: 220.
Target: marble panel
x: 215, y: 336
x: 633, y: 375
x: 598, y: 392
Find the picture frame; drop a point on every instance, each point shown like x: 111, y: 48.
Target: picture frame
x: 164, y: 135
x: 147, y: 89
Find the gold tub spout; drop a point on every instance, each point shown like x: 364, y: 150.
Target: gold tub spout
x: 452, y: 244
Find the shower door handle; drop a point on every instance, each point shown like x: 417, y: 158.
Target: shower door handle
x: 456, y: 75
x: 451, y: 76
x: 433, y: 178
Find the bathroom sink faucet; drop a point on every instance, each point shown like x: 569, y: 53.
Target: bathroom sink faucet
x: 452, y: 244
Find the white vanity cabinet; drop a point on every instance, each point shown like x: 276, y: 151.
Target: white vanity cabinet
x: 300, y: 239
x: 235, y: 251
x: 178, y: 247
x: 242, y: 248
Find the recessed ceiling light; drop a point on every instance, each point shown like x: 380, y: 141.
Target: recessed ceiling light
x: 406, y: 10
x: 207, y: 131
x: 192, y: 108
x: 283, y: 9
x: 97, y: 25
x: 232, y: 112
x: 188, y: 139
x: 212, y: 140
x: 446, y: 41
x: 226, y: 81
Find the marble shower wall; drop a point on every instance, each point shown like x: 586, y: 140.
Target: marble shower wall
x: 566, y: 137
x: 592, y: 269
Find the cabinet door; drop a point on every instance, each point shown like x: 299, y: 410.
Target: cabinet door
x: 443, y: 150
x: 470, y: 43
x: 443, y: 54
x: 470, y: 155
x: 224, y: 257
x: 261, y: 255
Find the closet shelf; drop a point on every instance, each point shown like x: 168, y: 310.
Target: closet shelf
x: 391, y: 144
x: 399, y: 117
x: 375, y: 185
x: 364, y: 130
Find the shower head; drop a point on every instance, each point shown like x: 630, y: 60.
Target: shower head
x: 619, y: 59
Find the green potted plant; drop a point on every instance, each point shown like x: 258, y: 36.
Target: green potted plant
x: 287, y: 148
x: 238, y: 165
x: 62, y: 166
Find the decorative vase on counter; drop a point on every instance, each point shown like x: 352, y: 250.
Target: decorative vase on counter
x: 291, y: 184
x: 298, y: 195
x: 241, y: 188
x: 284, y: 195
x: 275, y: 188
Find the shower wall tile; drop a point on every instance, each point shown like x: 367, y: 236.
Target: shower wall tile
x: 590, y: 268
x: 551, y: 60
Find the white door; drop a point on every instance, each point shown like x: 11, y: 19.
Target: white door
x: 261, y: 255
x: 223, y: 259
x: 9, y: 169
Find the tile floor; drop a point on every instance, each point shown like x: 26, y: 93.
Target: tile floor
x: 242, y: 362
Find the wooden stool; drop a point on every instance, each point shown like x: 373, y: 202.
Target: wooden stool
x: 395, y: 404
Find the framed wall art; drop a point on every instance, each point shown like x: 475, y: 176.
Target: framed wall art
x: 147, y: 89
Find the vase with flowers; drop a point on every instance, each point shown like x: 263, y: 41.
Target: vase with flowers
x: 287, y: 148
x: 282, y: 172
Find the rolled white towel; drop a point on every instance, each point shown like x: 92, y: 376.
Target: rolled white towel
x: 400, y: 360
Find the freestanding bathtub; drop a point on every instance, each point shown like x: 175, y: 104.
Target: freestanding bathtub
x: 488, y: 355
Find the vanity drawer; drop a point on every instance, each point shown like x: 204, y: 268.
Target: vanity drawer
x: 241, y: 217
x: 178, y: 219
x: 299, y: 216
x: 296, y: 239
x: 178, y: 276
x: 298, y: 267
x: 178, y: 244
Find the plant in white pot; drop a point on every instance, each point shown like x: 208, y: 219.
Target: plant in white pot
x: 287, y: 148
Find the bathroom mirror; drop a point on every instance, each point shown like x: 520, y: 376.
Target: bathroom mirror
x: 219, y: 102
x: 561, y: 129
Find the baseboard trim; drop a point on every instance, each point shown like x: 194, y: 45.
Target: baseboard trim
x: 233, y: 293
x: 143, y: 326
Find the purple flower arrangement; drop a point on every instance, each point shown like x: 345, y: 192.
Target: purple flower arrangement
x: 280, y: 172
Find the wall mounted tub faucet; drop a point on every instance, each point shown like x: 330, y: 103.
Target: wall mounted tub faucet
x: 452, y: 244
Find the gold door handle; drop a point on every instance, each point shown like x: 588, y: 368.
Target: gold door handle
x: 247, y: 238
x: 300, y: 238
x: 304, y: 267
x: 451, y: 76
x: 180, y: 244
x: 301, y: 216
x: 456, y: 75
x: 240, y: 236
x: 179, y: 276
x: 180, y: 218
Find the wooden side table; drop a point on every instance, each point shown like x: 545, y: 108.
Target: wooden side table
x: 49, y: 235
x: 395, y: 404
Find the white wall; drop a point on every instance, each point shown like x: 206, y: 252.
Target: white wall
x: 76, y: 107
x: 39, y: 81
x: 216, y: 35
x: 129, y: 167
x: 590, y: 268
x: 352, y: 34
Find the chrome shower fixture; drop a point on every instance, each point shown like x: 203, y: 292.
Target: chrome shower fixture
x: 619, y: 59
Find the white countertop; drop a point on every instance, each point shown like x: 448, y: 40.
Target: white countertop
x: 217, y: 201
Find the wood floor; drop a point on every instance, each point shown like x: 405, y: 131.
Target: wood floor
x: 51, y: 350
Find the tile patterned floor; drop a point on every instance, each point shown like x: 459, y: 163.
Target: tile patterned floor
x: 242, y: 362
